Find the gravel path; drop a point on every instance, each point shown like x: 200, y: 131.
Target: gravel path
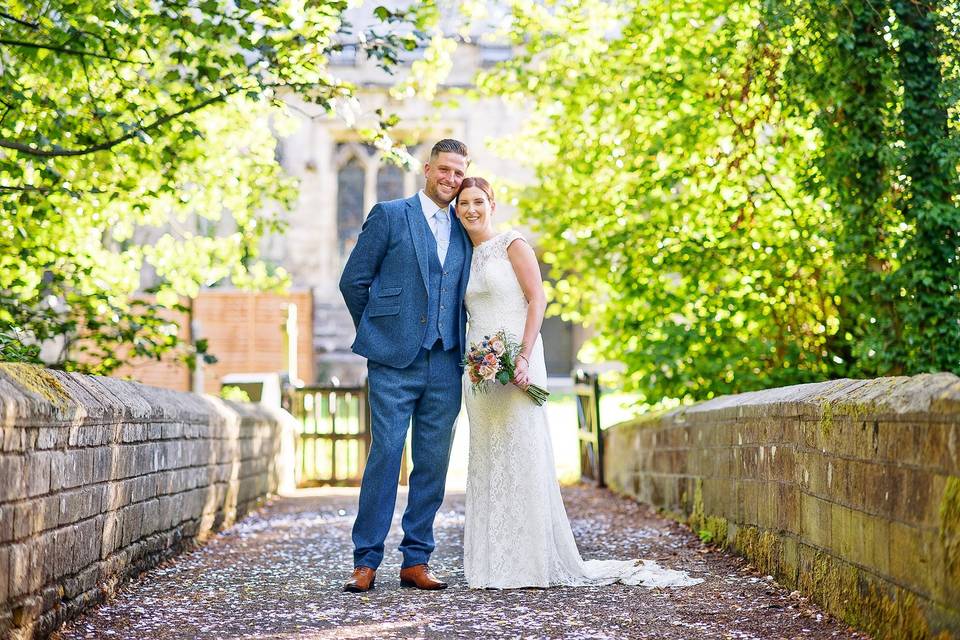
x: 278, y: 573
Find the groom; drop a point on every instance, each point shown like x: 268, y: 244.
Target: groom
x: 404, y: 285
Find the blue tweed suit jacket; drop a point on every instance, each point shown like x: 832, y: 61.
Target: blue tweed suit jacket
x: 384, y: 282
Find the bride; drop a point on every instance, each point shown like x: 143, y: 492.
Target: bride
x: 516, y: 530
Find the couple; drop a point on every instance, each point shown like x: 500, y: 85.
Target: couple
x: 421, y: 270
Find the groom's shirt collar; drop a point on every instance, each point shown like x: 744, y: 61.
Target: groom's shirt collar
x: 429, y: 207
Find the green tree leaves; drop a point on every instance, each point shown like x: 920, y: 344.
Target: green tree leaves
x: 723, y: 186
x: 142, y: 133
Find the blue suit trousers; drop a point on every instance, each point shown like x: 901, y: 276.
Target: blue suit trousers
x: 428, y: 392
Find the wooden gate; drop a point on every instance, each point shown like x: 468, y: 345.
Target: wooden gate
x: 334, y: 436
x: 586, y: 389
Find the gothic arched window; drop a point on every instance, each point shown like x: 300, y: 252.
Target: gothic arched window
x: 389, y: 183
x: 350, y: 212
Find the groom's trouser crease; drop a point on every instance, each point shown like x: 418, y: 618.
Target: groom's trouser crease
x: 428, y: 391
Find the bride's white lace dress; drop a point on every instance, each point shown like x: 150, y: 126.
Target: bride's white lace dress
x: 516, y: 529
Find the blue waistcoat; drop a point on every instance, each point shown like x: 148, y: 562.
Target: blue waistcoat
x: 443, y: 307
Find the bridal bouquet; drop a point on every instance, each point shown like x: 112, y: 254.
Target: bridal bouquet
x: 494, y: 359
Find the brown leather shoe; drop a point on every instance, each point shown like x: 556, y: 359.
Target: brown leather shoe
x: 363, y: 579
x: 419, y: 576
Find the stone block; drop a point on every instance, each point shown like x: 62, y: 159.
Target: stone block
x: 70, y: 468
x: 52, y: 437
x: 6, y: 523
x: 80, y: 504
x: 789, y: 561
x: 768, y: 506
x: 86, y: 547
x: 102, y: 465
x: 21, y: 569
x: 151, y: 518
x: 12, y: 439
x: 911, y: 556
x: 124, y: 462
x: 915, y: 500
x: 46, y: 558
x: 172, y: 430
x: 169, y: 454
x: 82, y: 582
x: 781, y: 463
x: 143, y: 488
x: 788, y: 508
x: 133, y: 432
x: 116, y: 495
x: 112, y: 533
x: 132, y: 523
x: 36, y: 515
x: 11, y: 477
x: 37, y: 468
x: 941, y: 446
x: 815, y: 520
x: 4, y: 576
x: 901, y: 441
x: 875, y: 490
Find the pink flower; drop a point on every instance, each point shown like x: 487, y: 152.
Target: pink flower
x: 474, y: 376
x: 497, y: 346
x: 488, y: 372
x: 490, y: 360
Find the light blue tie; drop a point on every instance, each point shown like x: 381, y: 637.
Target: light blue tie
x: 442, y: 233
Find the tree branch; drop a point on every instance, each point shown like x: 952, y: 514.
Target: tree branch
x: 32, y: 25
x: 76, y: 52
x: 103, y: 146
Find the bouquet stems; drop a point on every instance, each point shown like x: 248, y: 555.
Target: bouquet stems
x: 538, y: 394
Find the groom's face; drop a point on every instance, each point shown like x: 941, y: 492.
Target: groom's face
x: 443, y: 176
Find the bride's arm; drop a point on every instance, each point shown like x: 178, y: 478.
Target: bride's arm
x: 524, y: 262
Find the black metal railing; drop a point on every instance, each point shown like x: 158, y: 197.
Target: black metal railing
x: 586, y: 390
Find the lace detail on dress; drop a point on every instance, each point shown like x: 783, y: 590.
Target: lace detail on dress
x: 516, y: 532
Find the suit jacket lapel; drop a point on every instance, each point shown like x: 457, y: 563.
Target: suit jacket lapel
x: 418, y: 231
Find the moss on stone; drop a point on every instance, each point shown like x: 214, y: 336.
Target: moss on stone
x: 950, y: 525
x: 36, y: 379
x: 856, y: 411
x: 762, y: 548
x: 710, y: 529
x: 716, y: 530
x: 860, y: 601
x: 826, y: 418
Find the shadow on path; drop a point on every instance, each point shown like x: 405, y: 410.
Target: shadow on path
x: 277, y: 574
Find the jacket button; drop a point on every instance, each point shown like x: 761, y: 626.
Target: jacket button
x: 423, y: 320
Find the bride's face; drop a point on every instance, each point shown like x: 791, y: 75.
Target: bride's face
x: 475, y: 210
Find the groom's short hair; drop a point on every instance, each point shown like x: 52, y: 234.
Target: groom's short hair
x: 449, y: 145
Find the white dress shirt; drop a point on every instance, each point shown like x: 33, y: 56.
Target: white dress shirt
x: 439, y: 220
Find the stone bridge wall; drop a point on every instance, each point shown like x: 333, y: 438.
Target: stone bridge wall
x: 847, y: 490
x: 102, y: 478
